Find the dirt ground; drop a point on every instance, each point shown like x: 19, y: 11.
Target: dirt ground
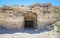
x: 28, y: 33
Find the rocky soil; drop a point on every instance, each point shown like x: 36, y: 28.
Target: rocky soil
x: 28, y: 33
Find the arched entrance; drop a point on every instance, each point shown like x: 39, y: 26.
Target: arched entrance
x: 30, y: 20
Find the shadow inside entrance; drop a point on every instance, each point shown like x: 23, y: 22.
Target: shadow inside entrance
x: 29, y: 24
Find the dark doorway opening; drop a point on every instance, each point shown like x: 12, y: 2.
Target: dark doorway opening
x: 29, y: 24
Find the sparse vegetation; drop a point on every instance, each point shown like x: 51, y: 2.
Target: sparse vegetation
x: 58, y: 25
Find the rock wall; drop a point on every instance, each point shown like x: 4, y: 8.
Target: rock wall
x: 43, y: 14
x: 10, y: 23
x: 42, y: 22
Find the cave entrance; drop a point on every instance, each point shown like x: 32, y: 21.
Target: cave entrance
x: 30, y: 20
x: 29, y: 24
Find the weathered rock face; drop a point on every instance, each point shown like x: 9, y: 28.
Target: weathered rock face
x: 13, y: 17
x: 45, y: 14
x: 12, y: 23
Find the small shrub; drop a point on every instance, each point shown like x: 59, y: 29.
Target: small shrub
x: 58, y: 25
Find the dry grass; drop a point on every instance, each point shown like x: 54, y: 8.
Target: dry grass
x: 58, y: 25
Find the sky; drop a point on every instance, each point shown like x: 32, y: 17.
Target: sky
x: 28, y: 2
